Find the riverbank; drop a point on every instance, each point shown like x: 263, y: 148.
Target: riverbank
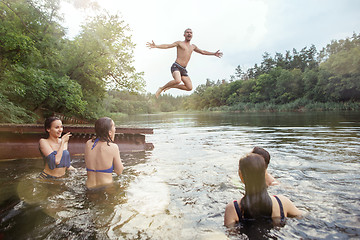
x: 299, y: 105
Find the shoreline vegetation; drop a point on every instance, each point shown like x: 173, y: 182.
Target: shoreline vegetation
x: 44, y: 72
x: 145, y: 104
x: 296, y: 106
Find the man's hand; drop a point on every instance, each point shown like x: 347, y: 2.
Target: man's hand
x: 151, y: 45
x: 218, y: 54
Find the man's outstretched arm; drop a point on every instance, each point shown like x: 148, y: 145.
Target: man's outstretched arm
x: 203, y: 52
x: 161, y: 46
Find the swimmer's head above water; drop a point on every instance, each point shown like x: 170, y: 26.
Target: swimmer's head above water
x: 105, y: 129
x: 265, y: 154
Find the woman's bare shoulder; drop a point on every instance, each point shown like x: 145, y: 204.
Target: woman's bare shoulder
x: 114, y: 146
x: 43, y: 141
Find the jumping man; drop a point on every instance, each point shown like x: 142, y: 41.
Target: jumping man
x: 178, y: 69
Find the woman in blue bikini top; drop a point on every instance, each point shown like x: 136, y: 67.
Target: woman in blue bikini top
x: 54, y: 151
x: 102, y: 155
x: 257, y: 203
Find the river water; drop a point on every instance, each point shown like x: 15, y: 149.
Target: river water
x: 179, y: 189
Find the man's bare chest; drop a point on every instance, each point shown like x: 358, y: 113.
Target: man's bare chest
x: 186, y: 49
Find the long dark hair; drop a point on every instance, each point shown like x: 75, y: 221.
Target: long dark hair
x: 265, y: 154
x: 47, y: 124
x: 256, y: 202
x: 102, y: 127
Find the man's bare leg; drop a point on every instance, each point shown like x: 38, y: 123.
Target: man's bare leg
x: 187, y: 86
x: 170, y: 84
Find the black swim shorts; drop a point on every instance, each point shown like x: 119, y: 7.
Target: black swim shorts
x: 178, y: 67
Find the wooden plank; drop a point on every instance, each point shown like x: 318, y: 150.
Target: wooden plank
x: 26, y: 145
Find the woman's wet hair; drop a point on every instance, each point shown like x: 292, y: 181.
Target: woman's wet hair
x: 48, y: 122
x: 102, y: 127
x: 256, y: 202
x: 265, y: 154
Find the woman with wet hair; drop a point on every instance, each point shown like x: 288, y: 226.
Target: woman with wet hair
x: 269, y: 179
x: 102, y: 155
x: 257, y: 203
x: 53, y: 148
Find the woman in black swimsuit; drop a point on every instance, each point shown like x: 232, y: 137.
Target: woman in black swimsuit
x: 257, y: 203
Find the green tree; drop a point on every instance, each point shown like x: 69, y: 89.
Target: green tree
x: 267, y: 63
x: 310, y: 79
x: 264, y: 89
x: 343, y: 64
x: 289, y: 86
x: 41, y: 68
x: 101, y: 57
x: 337, y: 46
x: 30, y: 54
x: 245, y: 91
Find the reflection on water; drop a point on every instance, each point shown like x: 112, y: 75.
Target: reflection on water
x: 180, y: 189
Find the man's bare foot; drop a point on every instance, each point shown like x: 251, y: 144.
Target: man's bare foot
x: 158, y: 92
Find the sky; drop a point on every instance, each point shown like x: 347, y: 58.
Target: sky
x: 242, y: 29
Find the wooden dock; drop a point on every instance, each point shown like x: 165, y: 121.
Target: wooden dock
x: 22, y: 141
